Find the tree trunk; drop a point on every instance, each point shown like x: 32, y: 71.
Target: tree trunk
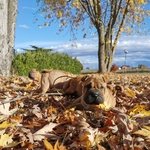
x: 8, y: 14
x: 101, y: 49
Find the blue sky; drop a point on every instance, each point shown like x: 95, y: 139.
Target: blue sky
x: 28, y: 33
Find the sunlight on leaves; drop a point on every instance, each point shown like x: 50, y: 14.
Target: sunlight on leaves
x: 4, y: 139
x: 59, y: 14
x: 48, y: 145
x: 6, y: 124
x: 130, y: 93
x: 140, y: 110
x: 145, y: 131
x: 102, y: 106
x: 29, y: 86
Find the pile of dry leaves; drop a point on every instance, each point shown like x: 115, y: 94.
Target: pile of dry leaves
x: 29, y: 120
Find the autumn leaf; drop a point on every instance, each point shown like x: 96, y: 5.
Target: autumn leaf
x: 6, y: 124
x: 84, y: 138
x: 139, y: 111
x: 29, y: 86
x: 59, y: 14
x: 3, y: 139
x: 48, y: 145
x: 102, y: 106
x: 4, y: 109
x: 56, y: 146
x: 145, y: 131
x: 130, y: 93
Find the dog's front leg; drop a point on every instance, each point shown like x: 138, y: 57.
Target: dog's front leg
x: 75, y: 103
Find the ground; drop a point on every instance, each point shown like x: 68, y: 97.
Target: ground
x: 34, y: 121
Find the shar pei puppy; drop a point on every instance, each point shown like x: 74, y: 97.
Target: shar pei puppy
x: 91, y: 90
x: 49, y: 79
x: 54, y: 79
x: 35, y: 75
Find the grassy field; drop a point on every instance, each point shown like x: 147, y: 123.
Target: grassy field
x: 137, y: 71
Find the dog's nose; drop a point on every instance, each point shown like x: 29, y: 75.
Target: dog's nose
x: 94, y: 95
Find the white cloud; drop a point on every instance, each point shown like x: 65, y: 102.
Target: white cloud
x: 30, y: 8
x: 24, y: 26
x: 138, y: 48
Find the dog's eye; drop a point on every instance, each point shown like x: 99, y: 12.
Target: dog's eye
x: 101, y: 87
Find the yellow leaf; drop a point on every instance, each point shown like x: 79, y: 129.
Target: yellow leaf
x: 28, y: 86
x: 142, y: 1
x: 3, y: 139
x: 83, y: 136
x: 139, y: 109
x: 68, y: 110
x: 104, y: 106
x: 130, y: 93
x: 147, y: 127
x: 56, y: 146
x: 145, y: 131
x: 48, y: 145
x: 88, y: 144
x: 6, y: 124
x: 59, y: 14
x: 76, y: 4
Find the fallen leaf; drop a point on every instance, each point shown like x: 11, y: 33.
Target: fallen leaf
x: 41, y: 134
x: 145, y: 131
x: 130, y: 93
x: 6, y: 124
x: 48, y: 145
x: 4, y: 108
x: 139, y: 111
x: 4, y: 139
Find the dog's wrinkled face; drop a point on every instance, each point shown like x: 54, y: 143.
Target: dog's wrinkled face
x: 34, y: 75
x: 94, y: 90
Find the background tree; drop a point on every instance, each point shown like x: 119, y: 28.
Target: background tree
x: 109, y: 17
x: 114, y: 68
x: 8, y: 13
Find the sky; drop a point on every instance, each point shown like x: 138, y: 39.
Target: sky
x: 29, y: 32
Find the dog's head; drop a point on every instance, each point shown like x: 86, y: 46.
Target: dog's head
x: 94, y: 89
x: 35, y: 75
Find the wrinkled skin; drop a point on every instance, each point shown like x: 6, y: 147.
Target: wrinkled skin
x: 54, y: 79
x: 92, y: 90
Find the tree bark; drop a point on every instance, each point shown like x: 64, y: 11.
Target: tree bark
x: 101, y: 49
x: 8, y: 14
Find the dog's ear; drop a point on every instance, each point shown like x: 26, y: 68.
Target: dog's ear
x: 115, y: 89
x: 46, y: 70
x: 119, y: 88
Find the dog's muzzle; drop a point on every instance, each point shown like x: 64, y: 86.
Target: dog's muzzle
x: 31, y: 75
x: 94, y: 97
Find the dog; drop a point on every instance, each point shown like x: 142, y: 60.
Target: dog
x: 74, y: 85
x: 92, y: 90
x: 54, y: 79
x: 35, y: 75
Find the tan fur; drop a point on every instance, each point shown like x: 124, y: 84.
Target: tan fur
x: 96, y: 81
x: 54, y: 78
x: 35, y: 75
x: 71, y: 84
x: 74, y: 85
